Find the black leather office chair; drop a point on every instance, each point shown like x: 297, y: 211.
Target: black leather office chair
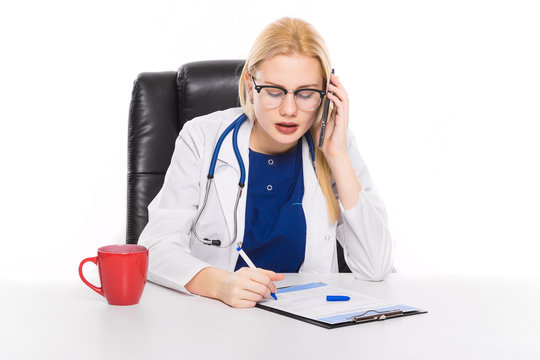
x: 161, y: 103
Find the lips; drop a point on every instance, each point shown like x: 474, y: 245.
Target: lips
x: 286, y: 127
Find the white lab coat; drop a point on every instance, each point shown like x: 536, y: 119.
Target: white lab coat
x: 175, y: 254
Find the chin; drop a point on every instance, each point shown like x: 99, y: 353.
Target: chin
x: 289, y: 140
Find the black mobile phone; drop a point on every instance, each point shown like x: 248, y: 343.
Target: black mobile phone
x: 325, y: 116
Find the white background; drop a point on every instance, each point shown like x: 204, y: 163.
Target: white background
x: 444, y: 103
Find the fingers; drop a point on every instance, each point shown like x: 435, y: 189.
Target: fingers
x: 260, y: 276
x: 273, y: 277
x: 277, y: 277
x: 339, y: 96
x: 335, y: 144
x: 339, y: 103
x: 337, y: 89
x: 257, y: 288
x: 249, y: 286
x: 240, y: 297
x: 260, y: 280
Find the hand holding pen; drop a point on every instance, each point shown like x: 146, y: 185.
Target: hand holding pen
x: 243, y: 288
x: 252, y: 266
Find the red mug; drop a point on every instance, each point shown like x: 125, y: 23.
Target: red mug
x: 122, y: 272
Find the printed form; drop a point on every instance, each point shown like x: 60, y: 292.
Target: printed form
x: 309, y: 301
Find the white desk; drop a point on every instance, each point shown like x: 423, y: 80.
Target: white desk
x: 469, y: 318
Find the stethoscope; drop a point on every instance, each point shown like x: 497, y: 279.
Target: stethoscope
x: 234, y: 127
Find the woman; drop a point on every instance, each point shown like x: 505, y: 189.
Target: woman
x: 292, y: 209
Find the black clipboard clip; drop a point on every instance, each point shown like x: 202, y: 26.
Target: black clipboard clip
x: 380, y: 315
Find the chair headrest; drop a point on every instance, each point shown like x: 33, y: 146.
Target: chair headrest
x: 207, y: 86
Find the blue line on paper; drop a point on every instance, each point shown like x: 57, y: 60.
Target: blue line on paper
x: 312, y: 285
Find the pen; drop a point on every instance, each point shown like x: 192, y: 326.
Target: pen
x: 337, y: 298
x: 250, y: 264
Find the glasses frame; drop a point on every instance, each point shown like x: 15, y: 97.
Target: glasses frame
x: 322, y: 93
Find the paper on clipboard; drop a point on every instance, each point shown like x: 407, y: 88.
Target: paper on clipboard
x: 309, y: 301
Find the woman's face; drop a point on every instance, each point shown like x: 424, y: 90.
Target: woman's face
x: 278, y: 130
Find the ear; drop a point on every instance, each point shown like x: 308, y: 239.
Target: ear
x: 249, y: 85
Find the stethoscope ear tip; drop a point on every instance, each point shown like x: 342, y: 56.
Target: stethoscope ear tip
x: 212, y: 242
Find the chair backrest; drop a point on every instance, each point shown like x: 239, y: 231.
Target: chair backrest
x: 161, y: 103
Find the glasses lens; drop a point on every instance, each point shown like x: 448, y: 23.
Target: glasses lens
x: 271, y: 98
x: 307, y: 100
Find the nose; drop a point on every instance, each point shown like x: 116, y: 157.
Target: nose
x: 289, y: 105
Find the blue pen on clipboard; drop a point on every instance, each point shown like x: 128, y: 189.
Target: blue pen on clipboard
x: 250, y: 264
x: 337, y: 298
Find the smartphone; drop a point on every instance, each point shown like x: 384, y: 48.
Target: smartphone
x: 325, y: 116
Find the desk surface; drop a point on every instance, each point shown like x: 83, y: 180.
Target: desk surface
x: 469, y: 318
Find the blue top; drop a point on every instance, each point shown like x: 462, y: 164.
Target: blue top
x: 275, y: 229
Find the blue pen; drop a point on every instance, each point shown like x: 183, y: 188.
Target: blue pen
x: 337, y: 298
x: 250, y: 264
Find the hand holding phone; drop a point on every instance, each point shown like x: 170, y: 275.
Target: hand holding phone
x: 325, y: 116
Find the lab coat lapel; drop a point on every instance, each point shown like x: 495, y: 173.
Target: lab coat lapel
x: 226, y: 177
x: 310, y: 177
x: 320, y: 233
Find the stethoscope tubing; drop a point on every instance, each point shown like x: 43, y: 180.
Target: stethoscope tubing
x: 234, y: 127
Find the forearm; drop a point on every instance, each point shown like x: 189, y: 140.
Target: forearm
x: 347, y: 182
x: 207, y: 282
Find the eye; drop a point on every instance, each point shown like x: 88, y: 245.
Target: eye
x: 274, y: 92
x: 307, y: 94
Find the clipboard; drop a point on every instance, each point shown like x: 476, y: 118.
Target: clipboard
x: 307, y: 303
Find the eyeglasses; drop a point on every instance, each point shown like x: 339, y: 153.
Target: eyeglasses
x: 273, y: 96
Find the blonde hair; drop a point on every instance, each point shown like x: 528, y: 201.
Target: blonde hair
x: 289, y: 36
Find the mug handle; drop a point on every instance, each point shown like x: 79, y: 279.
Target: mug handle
x: 94, y: 259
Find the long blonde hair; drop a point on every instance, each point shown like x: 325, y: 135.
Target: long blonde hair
x: 289, y: 36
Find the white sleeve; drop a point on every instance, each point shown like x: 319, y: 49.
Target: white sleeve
x: 170, y: 216
x: 363, y: 230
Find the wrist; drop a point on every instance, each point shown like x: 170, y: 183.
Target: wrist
x: 208, y: 282
x: 338, y: 161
